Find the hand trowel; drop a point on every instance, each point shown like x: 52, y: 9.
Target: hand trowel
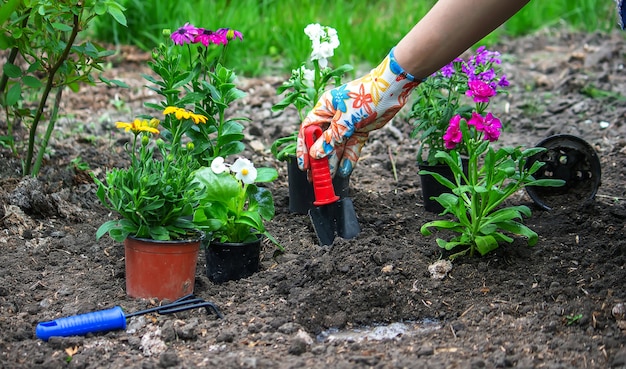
x: 330, y: 214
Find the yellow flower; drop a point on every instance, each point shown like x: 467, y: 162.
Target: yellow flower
x: 138, y: 125
x: 181, y: 113
x: 198, y: 118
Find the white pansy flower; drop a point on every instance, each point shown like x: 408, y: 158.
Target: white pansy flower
x: 218, y: 166
x: 244, y: 170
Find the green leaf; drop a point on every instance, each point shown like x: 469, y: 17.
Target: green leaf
x: 12, y: 70
x: 61, y: 27
x: 7, y: 9
x: 251, y: 219
x: 547, y: 182
x: 6, y: 42
x: 117, y: 12
x: 106, y: 227
x: 485, y: 244
x: 520, y: 229
x: 266, y: 175
x: 32, y: 82
x: 443, y: 224
x: 115, y: 82
x: 14, y: 95
x: 261, y: 201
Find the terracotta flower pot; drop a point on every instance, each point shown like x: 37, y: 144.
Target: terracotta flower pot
x: 232, y: 261
x: 160, y: 269
x: 301, y: 195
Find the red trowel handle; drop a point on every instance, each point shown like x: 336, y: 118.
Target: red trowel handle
x: 320, y: 171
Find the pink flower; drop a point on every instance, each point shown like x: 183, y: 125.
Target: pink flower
x: 230, y: 34
x: 480, y: 91
x: 492, y: 127
x: 477, y: 121
x: 184, y: 35
x: 206, y: 37
x: 453, y: 135
x: 489, y: 125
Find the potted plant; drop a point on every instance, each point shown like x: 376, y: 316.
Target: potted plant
x: 447, y: 93
x: 232, y: 212
x: 157, y: 194
x: 477, y: 192
x: 302, y: 90
x: 154, y: 197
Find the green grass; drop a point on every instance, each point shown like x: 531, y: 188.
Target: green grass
x: 274, y: 41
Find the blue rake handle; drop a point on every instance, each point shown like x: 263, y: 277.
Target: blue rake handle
x: 113, y: 318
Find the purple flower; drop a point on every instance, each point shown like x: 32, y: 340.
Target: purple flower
x: 448, y: 70
x: 480, y: 91
x: 488, y: 75
x: 185, y: 34
x: 503, y: 82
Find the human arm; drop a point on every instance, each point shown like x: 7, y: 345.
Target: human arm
x: 350, y: 112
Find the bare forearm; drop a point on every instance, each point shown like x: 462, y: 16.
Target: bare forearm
x: 450, y: 28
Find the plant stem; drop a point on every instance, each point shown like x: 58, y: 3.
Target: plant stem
x: 49, y: 129
x: 46, y: 92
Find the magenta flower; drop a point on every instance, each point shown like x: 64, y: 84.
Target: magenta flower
x: 206, y: 37
x: 492, y: 127
x: 480, y: 91
x: 184, y: 35
x: 477, y: 121
x: 489, y: 125
x: 453, y: 135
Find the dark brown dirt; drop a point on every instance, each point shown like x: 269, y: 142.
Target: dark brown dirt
x: 547, y: 306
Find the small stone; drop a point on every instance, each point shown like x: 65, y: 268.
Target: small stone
x: 225, y: 336
x: 169, y: 359
x: 619, y: 311
x: 298, y: 346
x: 425, y: 350
x: 619, y: 360
x: 439, y: 269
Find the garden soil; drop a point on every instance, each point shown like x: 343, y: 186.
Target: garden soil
x: 368, y: 302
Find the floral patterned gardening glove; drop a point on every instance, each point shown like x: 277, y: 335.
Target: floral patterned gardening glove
x: 348, y: 113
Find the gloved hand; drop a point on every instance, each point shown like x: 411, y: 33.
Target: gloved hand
x: 348, y: 113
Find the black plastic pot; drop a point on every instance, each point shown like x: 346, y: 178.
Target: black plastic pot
x: 232, y: 261
x: 571, y: 159
x: 432, y: 188
x: 301, y: 195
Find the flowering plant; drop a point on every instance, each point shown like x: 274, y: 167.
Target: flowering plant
x: 443, y: 95
x: 492, y: 177
x: 232, y: 207
x: 201, y: 83
x: 305, y: 86
x: 156, y: 195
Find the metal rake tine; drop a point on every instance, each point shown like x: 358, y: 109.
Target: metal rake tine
x: 199, y: 304
x: 185, y: 300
